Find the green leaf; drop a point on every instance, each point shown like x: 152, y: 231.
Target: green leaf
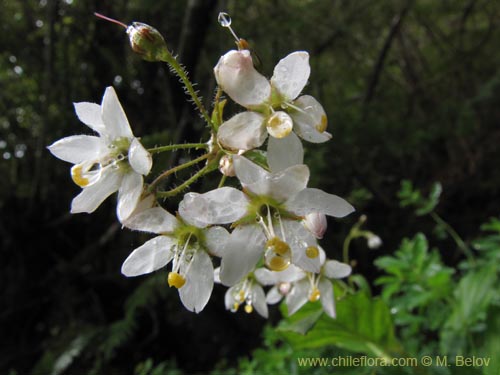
x: 362, y: 325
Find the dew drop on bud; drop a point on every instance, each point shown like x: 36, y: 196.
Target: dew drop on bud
x: 224, y: 19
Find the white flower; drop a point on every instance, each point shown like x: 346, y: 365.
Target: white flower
x: 248, y: 291
x: 268, y: 218
x: 113, y: 161
x: 316, y: 287
x: 184, y: 242
x: 274, y: 106
x: 282, y: 281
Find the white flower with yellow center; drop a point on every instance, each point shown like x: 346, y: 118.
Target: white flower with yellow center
x: 113, y: 161
x: 274, y: 107
x: 268, y: 218
x: 248, y: 292
x: 186, y: 244
x: 314, y: 287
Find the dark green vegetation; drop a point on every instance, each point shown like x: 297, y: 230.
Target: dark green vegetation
x: 412, y: 90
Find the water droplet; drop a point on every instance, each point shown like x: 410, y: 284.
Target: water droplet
x: 224, y: 19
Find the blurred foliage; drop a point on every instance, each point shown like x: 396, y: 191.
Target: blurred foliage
x: 411, y: 89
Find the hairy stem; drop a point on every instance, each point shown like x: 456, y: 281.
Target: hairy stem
x: 177, y: 147
x: 185, y: 184
x: 456, y: 237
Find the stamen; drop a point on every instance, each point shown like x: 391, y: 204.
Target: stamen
x: 314, y: 295
x: 225, y: 21
x: 76, y: 175
x: 278, y: 255
x: 248, y: 308
x: 235, y: 307
x: 312, y: 252
x: 110, y: 19
x: 176, y: 280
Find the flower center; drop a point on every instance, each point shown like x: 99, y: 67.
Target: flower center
x: 242, y: 294
x: 314, y: 295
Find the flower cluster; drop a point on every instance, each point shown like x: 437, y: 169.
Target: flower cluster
x: 263, y: 234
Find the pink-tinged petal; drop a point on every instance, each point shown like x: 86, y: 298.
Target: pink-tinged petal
x: 244, y: 131
x: 220, y: 206
x: 197, y: 290
x: 90, y: 115
x: 215, y: 240
x: 336, y: 270
x: 284, y: 152
x: 282, y: 185
x: 140, y: 160
x: 291, y: 74
x: 154, y: 220
x: 241, y: 253
x: 297, y: 297
x: 92, y: 196
x: 310, y: 120
x: 315, y: 200
x: 153, y: 255
x: 129, y: 195
x: 236, y: 75
x: 259, y: 300
x: 316, y: 223
x: 326, y: 297
x: 115, y: 120
x: 78, y: 148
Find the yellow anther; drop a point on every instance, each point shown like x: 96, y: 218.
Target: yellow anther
x: 248, y: 308
x: 315, y: 294
x: 321, y: 127
x: 312, y: 252
x: 235, y: 307
x: 279, y: 247
x: 277, y: 263
x: 176, y: 280
x: 76, y: 175
x: 241, y: 296
x: 279, y: 125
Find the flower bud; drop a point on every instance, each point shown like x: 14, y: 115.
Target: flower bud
x: 316, y: 223
x: 147, y: 42
x: 226, y: 166
x: 374, y: 241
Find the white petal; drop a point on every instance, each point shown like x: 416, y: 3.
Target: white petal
x: 326, y: 297
x: 336, y: 270
x: 291, y: 74
x: 196, y: 292
x: 220, y: 206
x: 268, y: 277
x: 297, y: 297
x: 217, y: 275
x: 129, y: 195
x: 316, y: 200
x: 244, y: 131
x: 273, y: 296
x: 92, y: 196
x: 215, y: 240
x: 284, y: 152
x: 78, y: 148
x: 90, y: 115
x: 154, y: 220
x: 316, y: 223
x: 151, y: 256
x: 259, y: 300
x: 299, y: 239
x: 311, y: 121
x: 115, y: 120
x: 241, y: 253
x: 236, y: 75
x: 247, y: 171
x: 282, y: 185
x: 139, y: 159
x: 229, y: 298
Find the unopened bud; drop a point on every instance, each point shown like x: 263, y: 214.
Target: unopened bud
x: 226, y: 166
x: 147, y: 42
x: 374, y: 241
x: 316, y: 223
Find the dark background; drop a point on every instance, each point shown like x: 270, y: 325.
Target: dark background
x: 411, y: 89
